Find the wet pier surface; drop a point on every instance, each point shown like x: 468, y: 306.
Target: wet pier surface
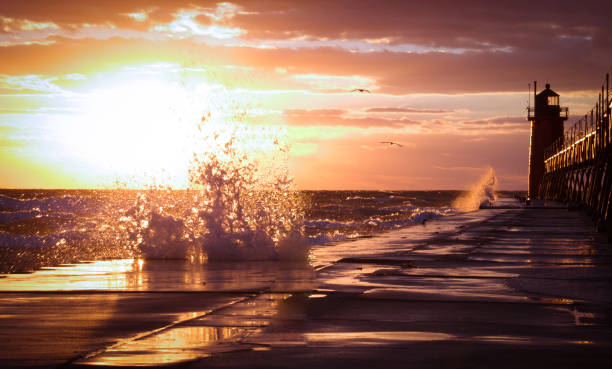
x: 500, y: 288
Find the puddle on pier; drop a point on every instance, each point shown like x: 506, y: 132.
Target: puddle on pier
x: 373, y: 337
x: 176, y: 345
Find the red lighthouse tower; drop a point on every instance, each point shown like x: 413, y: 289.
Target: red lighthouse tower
x: 546, y: 119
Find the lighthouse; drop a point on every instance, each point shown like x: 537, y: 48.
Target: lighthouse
x: 546, y: 117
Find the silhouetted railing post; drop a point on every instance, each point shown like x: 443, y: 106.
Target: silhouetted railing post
x: 608, y: 120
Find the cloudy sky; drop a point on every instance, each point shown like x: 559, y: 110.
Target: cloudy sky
x: 91, y: 88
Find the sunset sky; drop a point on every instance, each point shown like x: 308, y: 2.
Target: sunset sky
x: 93, y: 88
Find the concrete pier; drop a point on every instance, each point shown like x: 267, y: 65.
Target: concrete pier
x: 501, y: 288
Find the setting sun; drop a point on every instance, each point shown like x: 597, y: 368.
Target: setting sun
x: 136, y: 124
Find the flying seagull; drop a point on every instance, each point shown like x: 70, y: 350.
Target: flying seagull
x: 391, y: 143
x: 362, y: 90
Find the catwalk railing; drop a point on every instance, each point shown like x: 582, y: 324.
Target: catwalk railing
x: 578, y: 166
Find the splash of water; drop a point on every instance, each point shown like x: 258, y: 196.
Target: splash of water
x: 481, y: 194
x: 241, y: 205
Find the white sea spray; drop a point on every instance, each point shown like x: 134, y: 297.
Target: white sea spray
x: 481, y: 194
x: 241, y: 204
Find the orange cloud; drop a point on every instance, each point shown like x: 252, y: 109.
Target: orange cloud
x: 472, y: 48
x: 336, y: 117
x: 408, y: 110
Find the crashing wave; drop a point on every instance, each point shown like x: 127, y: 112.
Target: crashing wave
x: 481, y: 194
x: 242, y: 204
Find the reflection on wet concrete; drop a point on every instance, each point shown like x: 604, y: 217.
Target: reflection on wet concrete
x: 196, y: 338
x: 100, y: 275
x: 370, y: 338
x: 176, y: 345
x: 373, y: 337
x: 165, y: 275
x: 139, y: 312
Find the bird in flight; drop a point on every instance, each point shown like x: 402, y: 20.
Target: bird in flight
x: 391, y: 143
x: 362, y: 90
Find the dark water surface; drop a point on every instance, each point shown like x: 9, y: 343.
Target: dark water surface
x: 49, y: 227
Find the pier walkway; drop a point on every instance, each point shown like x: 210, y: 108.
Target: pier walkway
x: 501, y: 288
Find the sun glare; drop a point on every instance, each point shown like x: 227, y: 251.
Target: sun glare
x: 133, y: 128
x: 143, y: 127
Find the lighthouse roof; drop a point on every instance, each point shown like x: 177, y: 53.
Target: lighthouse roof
x: 548, y: 92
